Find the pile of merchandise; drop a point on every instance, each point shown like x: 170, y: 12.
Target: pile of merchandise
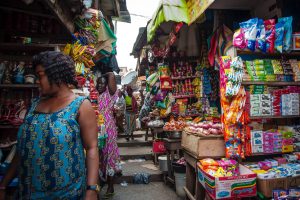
x: 205, y: 128
x: 279, y: 167
x: 269, y: 101
x: 271, y: 70
x: 175, y: 125
x: 266, y: 36
x: 219, y: 168
x: 233, y: 99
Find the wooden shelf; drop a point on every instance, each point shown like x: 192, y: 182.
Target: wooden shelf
x: 265, y: 55
x: 267, y: 154
x: 184, y: 96
x: 276, y: 117
x: 184, y: 77
x: 9, y: 127
x: 21, y: 86
x: 271, y: 83
x: 15, y: 58
x: 28, y: 47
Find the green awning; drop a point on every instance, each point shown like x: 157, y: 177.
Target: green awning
x: 168, y: 10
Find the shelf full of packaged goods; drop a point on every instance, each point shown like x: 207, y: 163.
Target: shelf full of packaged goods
x: 271, y: 83
x: 184, y: 96
x: 276, y: 117
x: 267, y: 55
x: 19, y: 86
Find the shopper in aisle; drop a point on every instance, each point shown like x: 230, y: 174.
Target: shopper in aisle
x: 130, y: 112
x: 59, y: 126
x: 110, y: 158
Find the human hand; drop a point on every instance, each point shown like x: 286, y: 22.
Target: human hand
x: 2, y: 194
x: 89, y: 195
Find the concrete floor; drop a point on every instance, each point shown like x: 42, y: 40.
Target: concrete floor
x: 152, y: 191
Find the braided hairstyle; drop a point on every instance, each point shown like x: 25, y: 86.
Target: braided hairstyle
x: 59, y: 68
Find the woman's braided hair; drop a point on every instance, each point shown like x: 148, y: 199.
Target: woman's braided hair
x: 59, y: 68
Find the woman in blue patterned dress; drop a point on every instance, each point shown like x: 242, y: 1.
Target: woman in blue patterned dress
x: 59, y: 126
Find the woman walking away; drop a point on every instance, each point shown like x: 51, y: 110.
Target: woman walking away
x: 130, y: 113
x: 50, y: 160
x: 110, y: 158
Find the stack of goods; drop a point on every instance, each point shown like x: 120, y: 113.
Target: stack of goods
x: 204, y: 128
x: 261, y: 105
x: 182, y: 69
x: 272, y: 141
x: 290, y: 194
x: 278, y: 70
x: 280, y: 167
x: 175, y: 125
x: 220, y: 168
x: 256, y: 70
x: 233, y: 99
x: 183, y: 87
x: 290, y: 101
x: 296, y: 137
x: 265, y: 36
x: 296, y: 69
x: 268, y: 101
x: 164, y: 77
x: 287, y: 71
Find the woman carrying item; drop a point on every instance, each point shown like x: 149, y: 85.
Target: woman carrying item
x: 130, y: 112
x: 59, y: 126
x: 110, y: 158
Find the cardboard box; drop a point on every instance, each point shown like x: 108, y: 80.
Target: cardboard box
x: 240, y: 186
x: 294, y: 182
x: 203, y: 146
x: 266, y: 186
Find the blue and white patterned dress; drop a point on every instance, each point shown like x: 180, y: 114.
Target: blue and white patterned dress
x: 52, y: 160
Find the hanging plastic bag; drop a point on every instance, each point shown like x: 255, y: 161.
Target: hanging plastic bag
x: 270, y: 34
x: 250, y: 29
x: 288, y: 32
x: 279, y: 36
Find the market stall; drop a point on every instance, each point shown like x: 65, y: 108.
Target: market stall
x: 233, y: 91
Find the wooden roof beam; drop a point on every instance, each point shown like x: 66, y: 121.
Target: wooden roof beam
x: 62, y: 12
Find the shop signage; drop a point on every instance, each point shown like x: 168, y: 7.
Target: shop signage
x: 196, y: 8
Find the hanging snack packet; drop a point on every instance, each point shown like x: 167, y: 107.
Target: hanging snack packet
x: 239, y: 39
x: 279, y: 36
x: 250, y: 29
x: 270, y: 34
x: 288, y: 32
x: 261, y: 36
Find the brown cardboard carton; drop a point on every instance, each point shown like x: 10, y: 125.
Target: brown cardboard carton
x: 203, y: 146
x: 266, y: 186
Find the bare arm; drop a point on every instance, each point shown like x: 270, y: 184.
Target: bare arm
x: 89, y: 135
x: 112, y: 85
x: 11, y: 172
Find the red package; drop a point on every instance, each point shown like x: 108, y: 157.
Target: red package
x: 270, y: 34
x: 158, y: 147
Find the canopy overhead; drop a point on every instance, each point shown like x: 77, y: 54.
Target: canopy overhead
x: 168, y: 10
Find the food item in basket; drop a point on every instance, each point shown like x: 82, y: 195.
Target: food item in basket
x: 175, y: 125
x: 156, y: 123
x: 204, y: 128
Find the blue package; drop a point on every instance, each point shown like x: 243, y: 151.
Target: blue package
x: 288, y: 32
x: 280, y: 194
x: 261, y: 36
x: 250, y: 30
x: 279, y: 27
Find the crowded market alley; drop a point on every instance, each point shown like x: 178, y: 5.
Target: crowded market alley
x: 150, y: 100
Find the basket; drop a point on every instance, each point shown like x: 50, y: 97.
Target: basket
x: 102, y: 141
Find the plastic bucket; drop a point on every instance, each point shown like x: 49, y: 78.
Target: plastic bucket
x: 180, y: 181
x: 163, y: 164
